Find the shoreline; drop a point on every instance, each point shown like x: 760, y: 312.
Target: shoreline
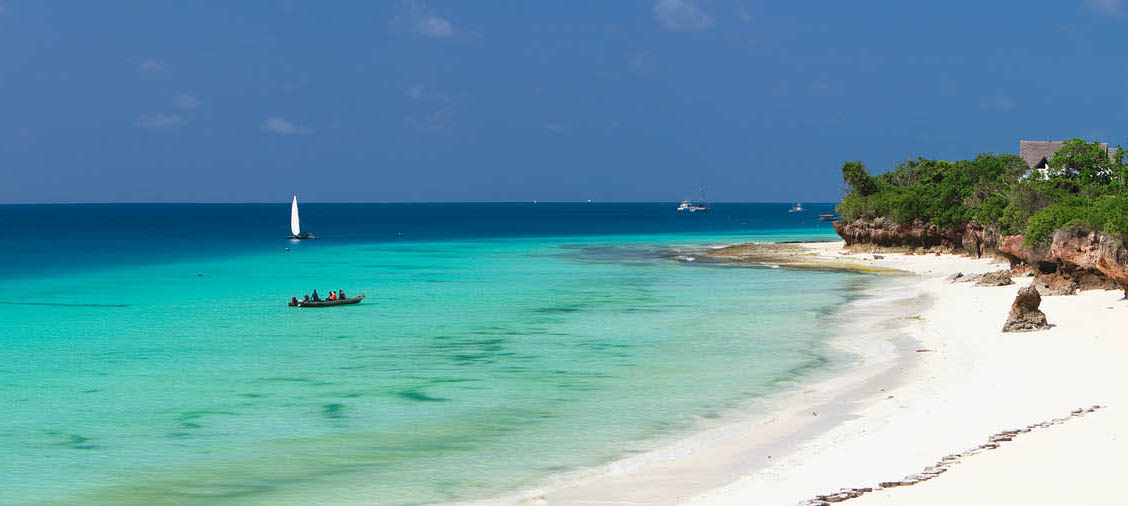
x: 975, y: 382
x: 748, y: 438
x: 955, y: 381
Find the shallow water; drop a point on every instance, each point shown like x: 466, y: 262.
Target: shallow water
x: 159, y: 363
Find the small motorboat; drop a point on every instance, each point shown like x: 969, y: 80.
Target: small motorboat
x: 327, y: 303
x: 688, y: 205
x: 797, y: 208
x: 691, y: 207
x: 829, y: 217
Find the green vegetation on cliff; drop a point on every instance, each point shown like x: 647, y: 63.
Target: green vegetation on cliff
x: 1084, y: 189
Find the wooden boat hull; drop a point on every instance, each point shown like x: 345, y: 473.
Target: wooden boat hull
x: 328, y: 303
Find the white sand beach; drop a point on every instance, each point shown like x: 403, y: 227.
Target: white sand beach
x: 954, y: 381
x: 976, y: 382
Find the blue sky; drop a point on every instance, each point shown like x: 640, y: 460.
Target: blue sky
x: 548, y: 100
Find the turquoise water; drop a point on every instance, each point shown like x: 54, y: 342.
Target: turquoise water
x: 482, y: 361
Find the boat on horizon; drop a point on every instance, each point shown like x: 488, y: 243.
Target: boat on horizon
x: 797, y: 208
x: 296, y: 233
x: 688, y: 205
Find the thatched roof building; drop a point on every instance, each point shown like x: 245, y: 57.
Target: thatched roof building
x: 1038, y: 153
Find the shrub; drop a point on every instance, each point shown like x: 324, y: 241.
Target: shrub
x: 1088, y: 190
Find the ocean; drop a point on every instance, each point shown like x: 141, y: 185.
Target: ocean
x: 148, y: 355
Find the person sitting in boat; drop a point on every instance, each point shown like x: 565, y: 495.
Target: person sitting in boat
x: 293, y: 301
x: 315, y: 297
x: 332, y: 295
x: 306, y: 298
x: 341, y: 295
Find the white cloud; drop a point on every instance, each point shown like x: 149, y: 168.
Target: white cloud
x: 681, y: 15
x: 440, y: 121
x: 1106, y: 6
x: 185, y: 101
x: 282, y: 127
x: 743, y: 13
x: 423, y: 20
x: 434, y: 26
x: 424, y: 94
x: 159, y: 121
x: 153, y: 66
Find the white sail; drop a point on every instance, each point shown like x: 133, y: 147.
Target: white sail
x: 295, y: 226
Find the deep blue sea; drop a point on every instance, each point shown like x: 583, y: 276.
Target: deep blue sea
x: 148, y: 356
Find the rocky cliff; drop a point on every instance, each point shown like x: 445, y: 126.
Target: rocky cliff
x: 882, y: 233
x: 1081, y: 257
x: 1073, y: 260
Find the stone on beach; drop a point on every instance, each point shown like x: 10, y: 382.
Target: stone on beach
x: 1024, y: 314
x: 996, y: 278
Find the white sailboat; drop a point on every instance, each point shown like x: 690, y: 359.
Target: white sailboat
x: 296, y: 224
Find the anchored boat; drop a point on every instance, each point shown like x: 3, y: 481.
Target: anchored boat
x: 327, y: 303
x: 688, y: 205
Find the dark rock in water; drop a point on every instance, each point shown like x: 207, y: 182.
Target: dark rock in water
x: 997, y: 278
x: 1024, y: 314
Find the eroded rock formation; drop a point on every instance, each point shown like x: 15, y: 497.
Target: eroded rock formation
x: 1073, y: 260
x: 996, y: 278
x: 1055, y: 284
x: 1024, y: 314
x: 883, y: 233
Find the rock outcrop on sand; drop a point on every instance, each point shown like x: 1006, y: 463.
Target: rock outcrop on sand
x: 1072, y: 260
x: 1088, y: 260
x: 996, y: 278
x: 883, y: 233
x: 1024, y: 314
x: 1055, y: 284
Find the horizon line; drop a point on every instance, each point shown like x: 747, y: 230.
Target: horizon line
x: 267, y: 202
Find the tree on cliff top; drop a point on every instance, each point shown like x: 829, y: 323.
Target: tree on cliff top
x: 1089, y: 190
x: 855, y: 175
x: 933, y: 191
x: 1084, y: 161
